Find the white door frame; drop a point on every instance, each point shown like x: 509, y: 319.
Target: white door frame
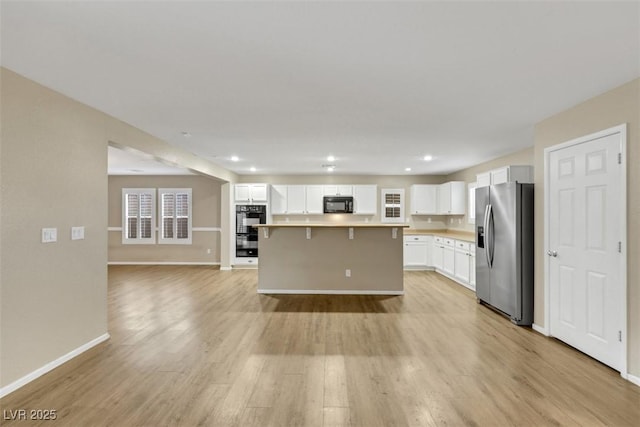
x: 622, y: 130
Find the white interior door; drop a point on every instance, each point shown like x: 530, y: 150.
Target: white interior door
x: 585, y: 233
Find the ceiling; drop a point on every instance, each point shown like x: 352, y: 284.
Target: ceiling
x: 282, y: 85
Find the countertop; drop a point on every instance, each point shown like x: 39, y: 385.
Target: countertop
x: 467, y: 236
x: 337, y: 225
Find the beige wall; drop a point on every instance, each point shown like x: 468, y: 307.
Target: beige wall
x: 54, y: 174
x: 432, y: 222
x: 53, y: 171
x: 615, y: 107
x: 522, y: 157
x: 206, y: 206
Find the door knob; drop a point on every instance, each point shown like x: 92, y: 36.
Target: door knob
x: 552, y: 253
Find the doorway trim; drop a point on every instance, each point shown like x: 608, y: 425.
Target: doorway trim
x: 622, y: 130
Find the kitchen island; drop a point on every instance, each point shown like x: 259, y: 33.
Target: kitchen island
x: 331, y: 259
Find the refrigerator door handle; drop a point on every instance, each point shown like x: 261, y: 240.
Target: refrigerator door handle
x: 486, y: 234
x: 490, y: 236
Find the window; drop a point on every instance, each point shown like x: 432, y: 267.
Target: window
x: 392, y: 205
x: 138, y: 210
x: 175, y: 215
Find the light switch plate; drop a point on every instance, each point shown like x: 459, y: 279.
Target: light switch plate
x: 77, y: 233
x: 49, y: 235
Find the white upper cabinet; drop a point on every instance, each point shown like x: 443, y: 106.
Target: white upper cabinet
x: 365, y: 199
x: 451, y: 198
x: 523, y: 174
x: 338, y: 190
x: 250, y: 193
x: 278, y: 199
x: 424, y: 199
x: 314, y: 199
x: 308, y: 199
x: 296, y: 199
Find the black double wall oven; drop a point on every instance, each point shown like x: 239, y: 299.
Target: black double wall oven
x: 246, y: 235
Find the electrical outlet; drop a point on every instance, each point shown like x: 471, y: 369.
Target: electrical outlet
x: 347, y: 272
x: 209, y: 251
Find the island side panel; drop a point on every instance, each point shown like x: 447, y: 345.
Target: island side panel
x: 290, y: 262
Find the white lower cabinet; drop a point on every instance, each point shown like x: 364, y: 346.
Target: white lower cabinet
x: 438, y: 253
x: 448, y: 263
x: 417, y: 251
x: 463, y: 263
x: 455, y: 259
x: 472, y: 267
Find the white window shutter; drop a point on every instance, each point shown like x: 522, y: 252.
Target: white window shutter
x: 138, y: 215
x: 175, y: 215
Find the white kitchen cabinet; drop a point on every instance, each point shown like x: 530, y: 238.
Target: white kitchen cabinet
x: 514, y: 173
x: 338, y: 190
x: 250, y: 193
x: 300, y: 199
x: 315, y: 193
x: 462, y: 266
x: 278, y: 199
x: 472, y: 267
x: 455, y: 259
x: 296, y: 199
x: 417, y: 251
x: 437, y: 253
x: 424, y: 199
x: 448, y: 257
x: 451, y: 198
x: 483, y: 179
x: 365, y: 199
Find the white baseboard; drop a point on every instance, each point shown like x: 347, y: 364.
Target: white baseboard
x: 633, y: 379
x: 159, y: 263
x: 226, y: 268
x: 540, y: 329
x: 327, y: 292
x: 51, y: 366
x: 206, y: 229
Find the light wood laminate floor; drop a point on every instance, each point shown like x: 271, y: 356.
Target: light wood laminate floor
x: 197, y: 346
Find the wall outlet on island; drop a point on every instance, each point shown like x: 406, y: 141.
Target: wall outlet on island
x: 347, y: 273
x: 209, y: 251
x: 429, y: 220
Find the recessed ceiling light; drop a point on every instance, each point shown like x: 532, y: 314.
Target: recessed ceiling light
x: 331, y: 159
x: 407, y: 169
x: 428, y: 158
x: 234, y: 158
x: 252, y: 169
x: 186, y: 134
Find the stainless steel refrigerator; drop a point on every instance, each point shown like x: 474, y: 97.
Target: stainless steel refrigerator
x: 504, y: 249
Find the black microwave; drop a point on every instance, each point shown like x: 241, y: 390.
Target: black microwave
x: 337, y: 204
